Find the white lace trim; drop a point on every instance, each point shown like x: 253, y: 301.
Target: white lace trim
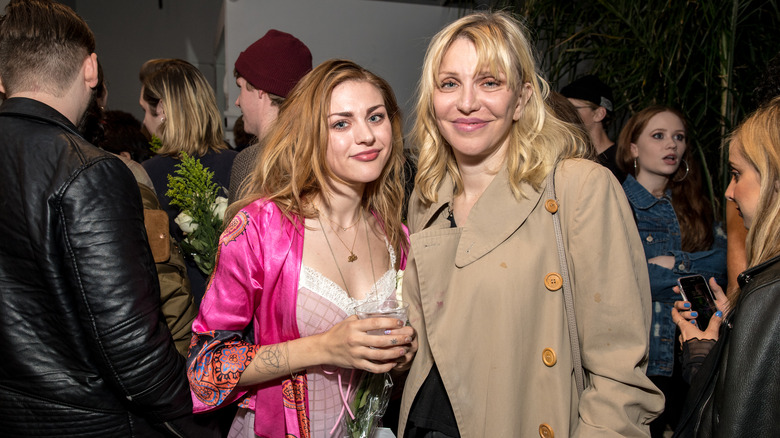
x: 313, y: 280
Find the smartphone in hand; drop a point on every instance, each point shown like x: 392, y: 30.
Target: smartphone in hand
x: 694, y: 289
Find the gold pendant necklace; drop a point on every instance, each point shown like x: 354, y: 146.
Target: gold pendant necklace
x: 352, y: 257
x: 338, y: 268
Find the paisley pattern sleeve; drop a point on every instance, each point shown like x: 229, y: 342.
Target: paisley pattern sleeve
x: 222, y: 345
x: 216, y: 368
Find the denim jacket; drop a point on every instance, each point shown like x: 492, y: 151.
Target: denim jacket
x: 660, y: 233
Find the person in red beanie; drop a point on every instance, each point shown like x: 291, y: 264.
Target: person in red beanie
x: 265, y: 73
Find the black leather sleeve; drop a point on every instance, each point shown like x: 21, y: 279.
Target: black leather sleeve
x: 748, y: 388
x: 111, y: 268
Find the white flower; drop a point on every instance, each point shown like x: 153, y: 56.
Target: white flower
x: 219, y: 206
x: 185, y: 222
x: 399, y: 282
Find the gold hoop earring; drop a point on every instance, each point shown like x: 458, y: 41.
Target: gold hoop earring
x: 687, y: 170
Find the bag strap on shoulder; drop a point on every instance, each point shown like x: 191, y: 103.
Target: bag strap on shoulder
x: 568, y: 295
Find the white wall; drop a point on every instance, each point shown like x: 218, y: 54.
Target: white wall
x: 130, y: 32
x: 387, y: 37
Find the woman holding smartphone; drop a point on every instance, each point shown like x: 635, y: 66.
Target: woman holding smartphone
x: 734, y: 393
x: 676, y: 224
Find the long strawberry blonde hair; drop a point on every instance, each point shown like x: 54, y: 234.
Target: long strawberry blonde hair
x: 292, y: 168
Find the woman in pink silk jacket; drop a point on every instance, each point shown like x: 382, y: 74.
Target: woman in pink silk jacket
x: 316, y: 231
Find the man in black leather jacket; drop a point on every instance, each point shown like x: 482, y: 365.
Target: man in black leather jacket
x: 86, y: 351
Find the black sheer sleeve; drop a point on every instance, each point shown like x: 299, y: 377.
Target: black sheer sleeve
x: 694, y: 352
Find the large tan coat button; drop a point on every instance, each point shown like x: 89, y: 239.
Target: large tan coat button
x: 545, y: 431
x: 551, y: 206
x: 553, y: 281
x: 548, y: 357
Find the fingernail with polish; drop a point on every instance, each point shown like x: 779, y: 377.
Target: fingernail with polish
x: 400, y: 323
x: 687, y: 305
x: 719, y: 314
x: 694, y: 314
x: 408, y: 339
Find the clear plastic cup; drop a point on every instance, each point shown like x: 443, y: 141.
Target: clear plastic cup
x: 383, y: 309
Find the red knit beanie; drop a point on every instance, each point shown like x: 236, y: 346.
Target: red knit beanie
x: 275, y: 62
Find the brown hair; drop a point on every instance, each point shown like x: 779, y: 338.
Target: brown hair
x: 192, y: 120
x: 42, y: 46
x: 563, y: 109
x: 691, y: 205
x: 292, y: 168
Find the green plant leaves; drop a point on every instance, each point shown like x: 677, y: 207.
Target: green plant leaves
x: 700, y: 56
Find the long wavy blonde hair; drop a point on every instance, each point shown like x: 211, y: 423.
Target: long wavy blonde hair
x: 537, y: 141
x: 292, y: 168
x: 192, y: 120
x: 758, y: 140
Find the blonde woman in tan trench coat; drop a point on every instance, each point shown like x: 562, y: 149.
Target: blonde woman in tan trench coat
x: 483, y: 277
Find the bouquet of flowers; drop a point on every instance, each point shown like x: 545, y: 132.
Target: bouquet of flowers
x: 202, y: 210
x: 373, y: 393
x: 369, y: 404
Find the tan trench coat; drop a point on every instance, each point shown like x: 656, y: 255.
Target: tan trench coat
x: 480, y: 306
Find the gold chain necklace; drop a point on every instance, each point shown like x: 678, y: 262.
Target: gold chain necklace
x: 352, y: 257
x: 339, y: 225
x: 370, y: 258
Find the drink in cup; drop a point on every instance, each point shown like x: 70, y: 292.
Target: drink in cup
x: 382, y: 309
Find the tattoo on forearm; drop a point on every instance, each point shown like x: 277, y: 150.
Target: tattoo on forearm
x: 270, y: 360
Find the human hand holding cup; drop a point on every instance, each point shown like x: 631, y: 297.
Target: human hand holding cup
x: 401, y: 337
x: 373, y: 393
x: 382, y: 309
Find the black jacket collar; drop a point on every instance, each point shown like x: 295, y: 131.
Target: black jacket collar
x: 37, y: 110
x: 748, y: 275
